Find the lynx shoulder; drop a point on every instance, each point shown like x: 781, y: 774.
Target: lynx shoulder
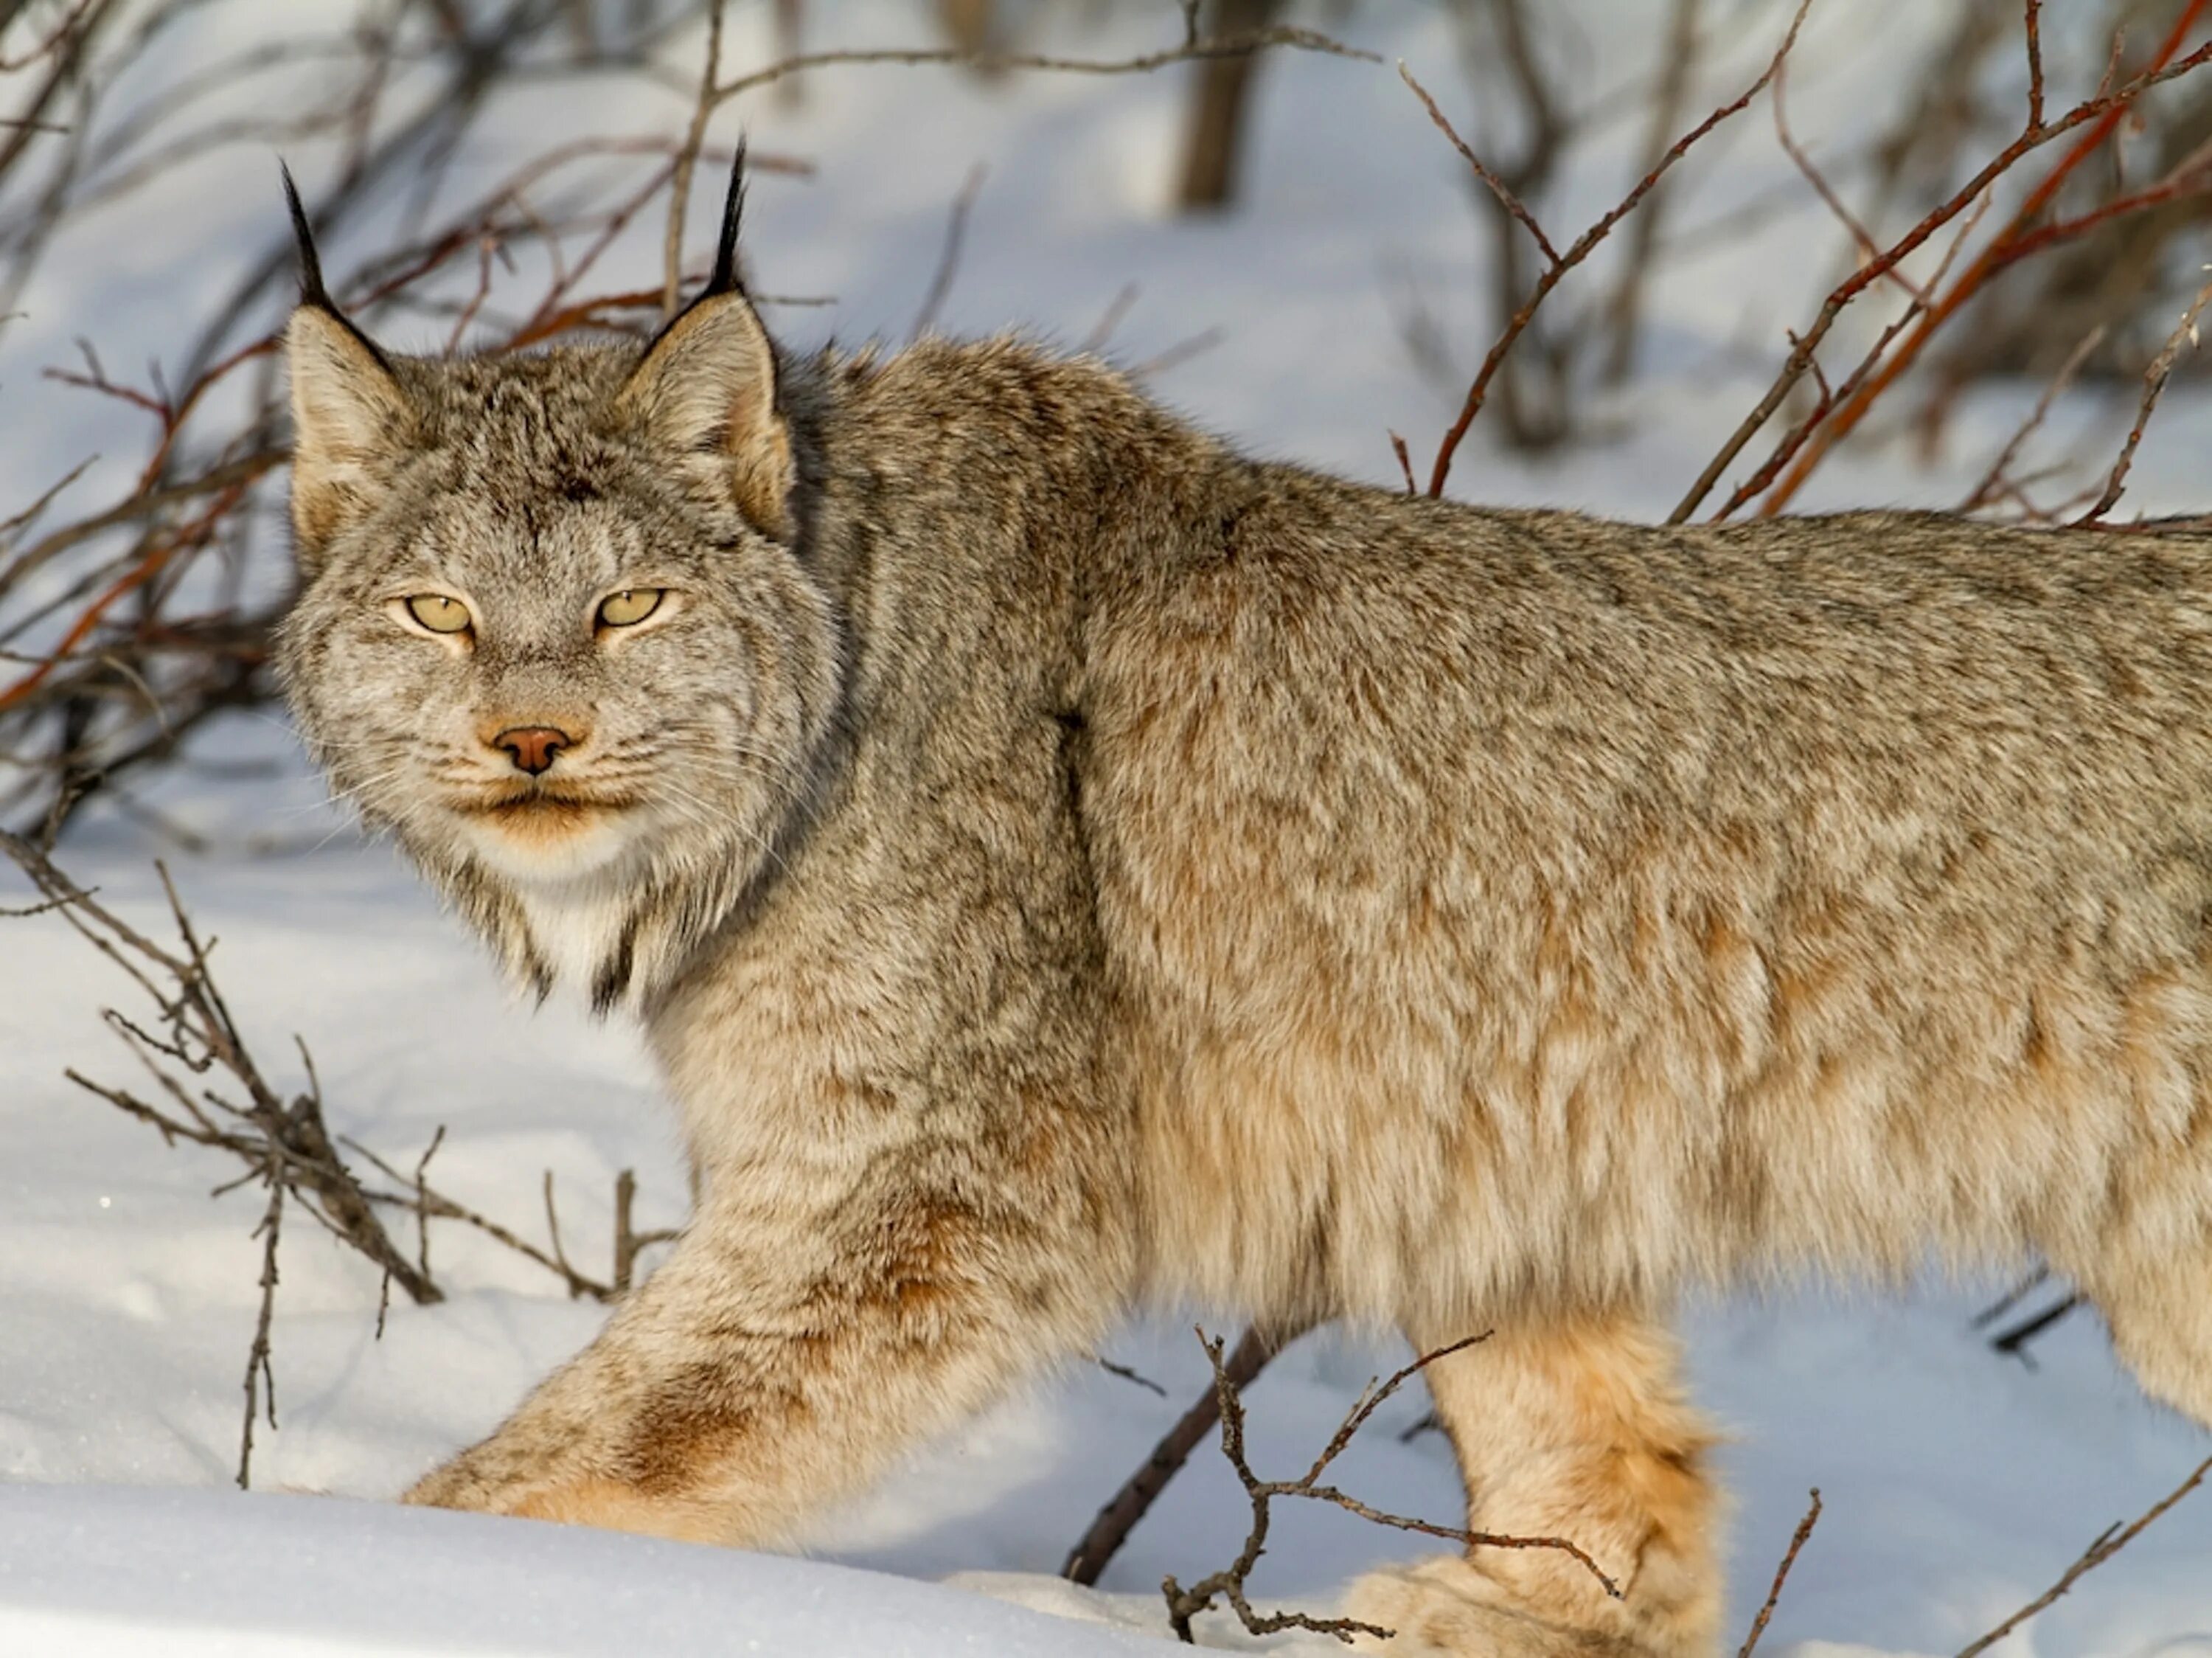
x: 1061, y: 865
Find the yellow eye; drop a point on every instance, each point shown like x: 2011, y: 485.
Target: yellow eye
x: 630, y: 607
x: 438, y: 613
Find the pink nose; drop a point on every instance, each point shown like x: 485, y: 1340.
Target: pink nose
x: 531, y: 747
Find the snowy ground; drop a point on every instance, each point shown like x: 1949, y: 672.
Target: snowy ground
x: 1957, y: 1484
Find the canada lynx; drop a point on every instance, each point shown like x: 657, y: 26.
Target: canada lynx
x: 1060, y: 864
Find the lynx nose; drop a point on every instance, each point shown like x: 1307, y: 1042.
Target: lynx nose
x: 531, y: 747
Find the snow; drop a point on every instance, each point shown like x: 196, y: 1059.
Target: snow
x: 95, y: 1571
x: 1957, y: 1484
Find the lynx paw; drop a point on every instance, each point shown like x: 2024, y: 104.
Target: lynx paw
x: 609, y: 1504
x: 1444, y: 1608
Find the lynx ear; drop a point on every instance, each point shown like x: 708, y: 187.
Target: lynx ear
x: 706, y: 389
x: 349, y: 417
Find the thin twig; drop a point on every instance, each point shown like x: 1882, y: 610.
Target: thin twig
x: 1479, y: 390
x: 2013, y: 1343
x: 1127, y: 1375
x: 1994, y: 480
x: 422, y: 1200
x: 2034, y: 8
x: 948, y: 259
x: 2013, y: 242
x: 991, y: 62
x: 625, y: 1240
x: 687, y: 159
x: 2100, y: 112
x: 1097, y: 1546
x: 1110, y: 319
x: 1863, y: 239
x: 260, y: 1378
x: 1511, y: 203
x: 443, y: 1207
x: 2113, y: 1539
x: 629, y: 1241
x: 1782, y: 1576
x: 2155, y: 379
x: 1229, y: 1583
x: 1177, y: 354
x: 577, y: 1282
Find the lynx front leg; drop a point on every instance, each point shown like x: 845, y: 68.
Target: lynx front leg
x: 784, y: 1355
x: 1577, y: 1430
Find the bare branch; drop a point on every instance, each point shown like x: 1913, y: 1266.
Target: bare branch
x: 1869, y: 249
x: 1583, y: 247
x: 1097, y: 1546
x: 71, y: 20
x: 2155, y: 379
x: 2100, y: 116
x: 2114, y: 1538
x: 429, y: 1199
x: 1229, y: 1583
x: 1511, y: 203
x: 993, y: 62
x: 1782, y: 1576
x: 2034, y: 8
x: 260, y: 1378
x: 1994, y: 481
x: 1135, y: 1377
x: 687, y: 159
x: 948, y: 260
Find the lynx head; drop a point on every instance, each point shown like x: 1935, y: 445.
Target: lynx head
x: 552, y: 630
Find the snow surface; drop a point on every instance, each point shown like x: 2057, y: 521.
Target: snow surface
x: 1957, y: 1484
x: 99, y: 1570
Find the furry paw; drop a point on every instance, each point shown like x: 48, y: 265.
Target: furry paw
x: 610, y: 1505
x: 1443, y: 1607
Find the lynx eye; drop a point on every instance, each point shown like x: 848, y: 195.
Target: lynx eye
x: 630, y: 607
x: 438, y: 613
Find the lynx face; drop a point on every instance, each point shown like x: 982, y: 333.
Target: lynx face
x: 550, y: 632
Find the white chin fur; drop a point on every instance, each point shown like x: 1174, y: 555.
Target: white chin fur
x: 575, y: 890
x: 575, y: 926
x: 528, y: 856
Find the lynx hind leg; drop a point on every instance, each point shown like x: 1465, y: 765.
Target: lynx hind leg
x: 2157, y: 1298
x: 1577, y: 1431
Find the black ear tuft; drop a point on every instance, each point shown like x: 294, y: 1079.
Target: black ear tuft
x: 311, y: 291
x: 726, y: 279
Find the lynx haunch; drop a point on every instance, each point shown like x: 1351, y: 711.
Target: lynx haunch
x: 1061, y: 865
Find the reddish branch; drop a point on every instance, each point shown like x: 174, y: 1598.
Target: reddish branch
x: 2034, y: 63
x: 1497, y: 187
x: 1554, y: 273
x: 193, y: 533
x: 2100, y: 115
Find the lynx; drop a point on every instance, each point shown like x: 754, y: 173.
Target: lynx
x: 1061, y: 866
